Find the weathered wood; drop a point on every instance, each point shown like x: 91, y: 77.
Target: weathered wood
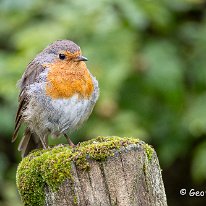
x: 104, y: 171
x: 129, y: 178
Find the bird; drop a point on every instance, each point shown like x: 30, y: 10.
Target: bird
x: 57, y: 95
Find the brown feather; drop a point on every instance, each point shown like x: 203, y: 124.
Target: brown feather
x: 17, y: 126
x: 25, y: 140
x: 29, y: 77
x: 28, y: 143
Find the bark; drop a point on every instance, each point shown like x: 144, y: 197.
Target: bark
x: 129, y: 178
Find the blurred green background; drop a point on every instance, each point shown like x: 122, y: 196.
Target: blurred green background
x: 150, y: 59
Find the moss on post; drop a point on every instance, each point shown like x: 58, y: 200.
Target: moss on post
x: 52, y: 167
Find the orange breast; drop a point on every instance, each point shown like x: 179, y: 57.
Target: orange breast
x: 68, y: 78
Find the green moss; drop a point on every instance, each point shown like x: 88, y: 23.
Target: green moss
x: 52, y: 166
x: 149, y: 151
x: 39, y: 168
x: 99, y: 149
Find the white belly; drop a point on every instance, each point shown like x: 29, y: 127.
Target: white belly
x: 58, y: 116
x: 70, y: 114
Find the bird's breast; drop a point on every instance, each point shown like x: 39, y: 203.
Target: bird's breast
x: 66, y: 79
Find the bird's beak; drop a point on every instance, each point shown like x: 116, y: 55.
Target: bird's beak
x: 81, y: 58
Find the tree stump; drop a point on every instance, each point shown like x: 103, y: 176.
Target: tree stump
x: 105, y: 171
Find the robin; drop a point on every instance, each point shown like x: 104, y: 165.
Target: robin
x: 57, y: 94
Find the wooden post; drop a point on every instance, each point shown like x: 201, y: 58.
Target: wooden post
x: 102, y: 172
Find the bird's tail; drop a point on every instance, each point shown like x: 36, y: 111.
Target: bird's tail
x: 29, y: 142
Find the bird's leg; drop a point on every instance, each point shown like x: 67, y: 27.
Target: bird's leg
x: 44, y: 141
x: 69, y: 140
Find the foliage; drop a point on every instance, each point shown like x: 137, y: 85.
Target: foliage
x: 149, y: 58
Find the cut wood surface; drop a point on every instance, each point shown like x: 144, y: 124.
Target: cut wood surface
x: 129, y: 176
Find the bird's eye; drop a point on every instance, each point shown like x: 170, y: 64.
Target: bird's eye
x: 62, y: 56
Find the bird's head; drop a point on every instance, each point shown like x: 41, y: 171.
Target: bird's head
x: 64, y: 51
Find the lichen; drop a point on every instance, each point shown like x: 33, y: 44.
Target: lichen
x: 53, y: 166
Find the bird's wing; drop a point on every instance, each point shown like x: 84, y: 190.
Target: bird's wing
x: 32, y: 72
